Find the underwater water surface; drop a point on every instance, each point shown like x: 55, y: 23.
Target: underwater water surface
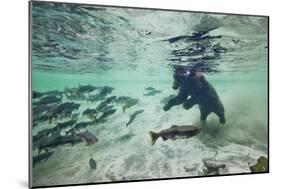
x: 102, y: 75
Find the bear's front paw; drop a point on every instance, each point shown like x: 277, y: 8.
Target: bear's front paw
x: 166, y: 108
x: 222, y: 120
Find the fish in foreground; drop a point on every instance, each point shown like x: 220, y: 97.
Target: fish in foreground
x: 133, y: 116
x: 104, y: 91
x: 64, y: 125
x: 57, y: 140
x: 48, y: 100
x: 149, y: 88
x: 152, y: 92
x: 92, y: 164
x: 212, y: 167
x: 88, y: 137
x: 64, y: 109
x: 89, y: 112
x: 105, y: 115
x: 129, y: 104
x: 41, y: 157
x: 83, y: 124
x: 85, y: 88
x: 175, y: 132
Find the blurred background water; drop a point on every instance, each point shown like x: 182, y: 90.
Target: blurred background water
x: 131, y: 49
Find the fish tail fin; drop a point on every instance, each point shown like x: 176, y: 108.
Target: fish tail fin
x: 153, y: 136
x: 127, y: 124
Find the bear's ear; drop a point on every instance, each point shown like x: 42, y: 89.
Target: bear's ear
x: 199, y: 79
x: 198, y: 75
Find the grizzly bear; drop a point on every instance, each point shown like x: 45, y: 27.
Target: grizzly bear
x: 195, y: 89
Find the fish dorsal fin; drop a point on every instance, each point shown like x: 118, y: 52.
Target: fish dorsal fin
x: 174, y: 126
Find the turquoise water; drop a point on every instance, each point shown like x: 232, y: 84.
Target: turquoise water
x: 130, y: 50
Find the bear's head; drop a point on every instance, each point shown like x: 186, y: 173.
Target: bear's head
x: 189, y: 78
